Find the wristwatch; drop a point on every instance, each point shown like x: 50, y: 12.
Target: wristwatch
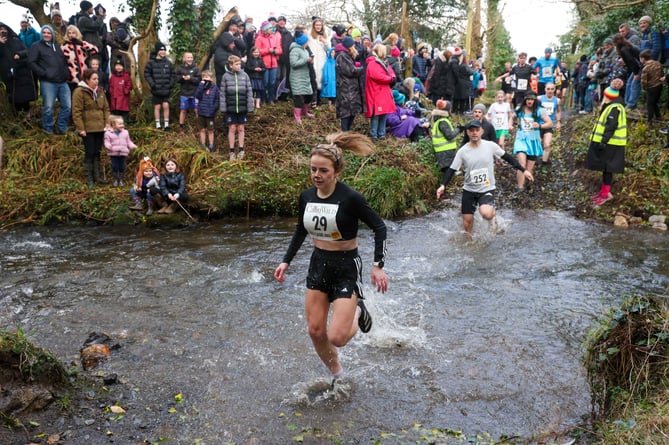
x: 378, y: 264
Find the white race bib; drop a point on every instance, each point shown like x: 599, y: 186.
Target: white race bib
x: 526, y: 123
x: 320, y: 220
x: 522, y: 84
x: 480, y: 177
x: 547, y: 71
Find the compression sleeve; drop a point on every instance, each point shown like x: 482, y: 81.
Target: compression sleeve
x: 448, y: 175
x: 513, y: 161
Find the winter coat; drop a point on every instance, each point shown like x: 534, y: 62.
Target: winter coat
x: 378, y: 94
x: 349, y: 88
x: 159, y: 74
x: 300, y: 82
x: 402, y: 128
x: 92, y: 28
x: 286, y: 40
x: 120, y: 87
x: 208, y: 99
x: 222, y: 51
x: 630, y: 56
x: 236, y: 93
x: 394, y: 63
x: 265, y: 42
x: 118, y: 143
x: 119, y: 41
x: 329, y: 77
x: 76, y: 54
x: 90, y: 109
x: 16, y: 74
x: 441, y: 86
x: 174, y: 183
x: 189, y: 86
x: 251, y: 64
x: 320, y: 53
x: 30, y: 36
x: 46, y: 60
x: 463, y: 83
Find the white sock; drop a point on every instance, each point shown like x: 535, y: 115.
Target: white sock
x: 339, y: 374
x: 167, y: 124
x: 157, y: 124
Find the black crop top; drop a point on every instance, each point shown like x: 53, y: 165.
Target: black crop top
x: 335, y: 218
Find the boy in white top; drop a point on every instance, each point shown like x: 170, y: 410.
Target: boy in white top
x: 500, y: 115
x: 477, y: 157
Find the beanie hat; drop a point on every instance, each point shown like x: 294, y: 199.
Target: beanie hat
x: 549, y: 50
x: 85, y: 5
x: 457, y: 51
x: 443, y: 105
x: 227, y: 39
x: 479, y: 107
x: 366, y: 37
x: 99, y: 7
x: 646, y: 18
x: 530, y: 95
x: 398, y: 97
x: 348, y: 42
x: 356, y: 33
x: 339, y: 30
x: 55, y: 13
x: 265, y: 26
x: 301, y: 39
x: 611, y: 93
x: 159, y: 46
x: 394, y: 51
x: 608, y: 41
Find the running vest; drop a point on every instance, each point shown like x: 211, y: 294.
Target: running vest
x: 439, y: 141
x: 619, y: 137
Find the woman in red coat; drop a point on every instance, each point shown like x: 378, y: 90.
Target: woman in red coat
x: 269, y: 45
x: 120, y: 87
x: 379, y: 97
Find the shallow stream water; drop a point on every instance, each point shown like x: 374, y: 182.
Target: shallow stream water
x: 479, y: 336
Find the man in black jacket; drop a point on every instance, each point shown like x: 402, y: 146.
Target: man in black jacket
x: 46, y: 60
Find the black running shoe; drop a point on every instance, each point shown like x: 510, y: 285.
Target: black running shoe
x: 365, y: 320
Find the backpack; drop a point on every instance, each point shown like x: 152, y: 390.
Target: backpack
x: 72, y: 20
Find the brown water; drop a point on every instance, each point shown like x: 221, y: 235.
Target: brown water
x: 478, y: 336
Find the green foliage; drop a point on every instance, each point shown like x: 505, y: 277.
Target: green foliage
x: 503, y: 51
x: 141, y: 10
x: 601, y: 27
x: 32, y: 363
x: 183, y: 27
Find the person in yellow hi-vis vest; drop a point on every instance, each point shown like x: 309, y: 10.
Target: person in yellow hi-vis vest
x: 443, y: 135
x: 606, y: 152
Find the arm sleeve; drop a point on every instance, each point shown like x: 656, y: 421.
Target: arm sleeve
x: 513, y: 161
x: 446, y: 130
x: 610, y: 125
x: 448, y: 175
x: 374, y: 222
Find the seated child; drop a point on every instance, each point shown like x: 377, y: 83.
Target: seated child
x: 172, y: 187
x: 403, y: 123
x: 146, y: 186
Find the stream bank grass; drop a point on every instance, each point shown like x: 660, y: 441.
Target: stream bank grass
x: 628, y: 365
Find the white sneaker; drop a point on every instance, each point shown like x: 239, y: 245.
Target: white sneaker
x: 232, y: 156
x: 240, y: 155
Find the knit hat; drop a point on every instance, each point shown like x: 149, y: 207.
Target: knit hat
x: 85, y: 5
x: 378, y: 39
x: 159, y: 46
x: 339, y: 30
x: 530, y: 95
x: 348, y: 42
x: 398, y: 97
x: 366, y: 37
x: 24, y: 18
x: 227, y: 39
x: 265, y: 26
x: 608, y: 41
x: 301, y: 39
x: 457, y: 51
x: 479, y: 107
x: 646, y: 18
x: 394, y: 51
x: 611, y: 93
x: 356, y: 33
x: 281, y: 17
x: 443, y: 105
x: 55, y: 13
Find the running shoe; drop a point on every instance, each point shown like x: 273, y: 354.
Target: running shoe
x: 664, y: 130
x: 602, y: 199
x: 365, y: 320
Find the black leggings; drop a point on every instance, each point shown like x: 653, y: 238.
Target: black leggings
x: 300, y: 99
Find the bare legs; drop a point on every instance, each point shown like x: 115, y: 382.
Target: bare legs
x: 487, y: 212
x: 528, y: 164
x: 343, y: 325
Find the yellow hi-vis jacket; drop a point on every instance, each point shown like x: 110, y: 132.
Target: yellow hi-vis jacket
x: 439, y: 141
x: 619, y: 137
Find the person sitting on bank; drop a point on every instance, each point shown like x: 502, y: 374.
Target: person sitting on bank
x: 146, y: 186
x: 172, y: 188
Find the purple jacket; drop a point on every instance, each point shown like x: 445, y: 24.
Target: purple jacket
x: 402, y: 128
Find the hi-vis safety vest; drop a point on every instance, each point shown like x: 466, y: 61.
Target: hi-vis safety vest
x: 439, y: 141
x: 619, y: 137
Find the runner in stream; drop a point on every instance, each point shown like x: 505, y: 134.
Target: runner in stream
x: 329, y: 212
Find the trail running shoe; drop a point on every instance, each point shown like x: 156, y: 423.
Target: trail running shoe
x: 365, y: 320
